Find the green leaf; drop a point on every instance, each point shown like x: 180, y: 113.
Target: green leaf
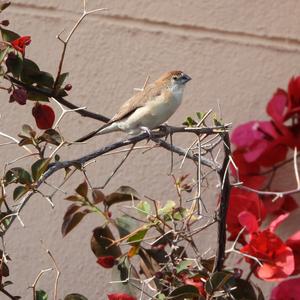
x: 43, y: 79
x: 217, y: 281
x: 51, y: 136
x: 3, y: 53
x: 82, y: 189
x: 185, y: 292
x: 125, y: 225
x: 189, y: 122
x: 41, y: 295
x: 180, y: 214
x: 144, y: 208
x: 18, y: 175
x: 168, y: 208
x: 123, y: 193
x: 30, y: 70
x: 39, y: 167
x: 14, y: 64
x: 183, y: 265
x: 75, y: 296
x: 138, y: 236
x: 35, y: 96
x: 10, y: 177
x: 27, y: 132
x: 19, y: 191
x: 61, y: 79
x: 243, y: 290
x: 101, y: 242
x: 8, y: 35
x: 4, y: 5
x: 200, y: 115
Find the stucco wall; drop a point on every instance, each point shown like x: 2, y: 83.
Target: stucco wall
x: 237, y: 52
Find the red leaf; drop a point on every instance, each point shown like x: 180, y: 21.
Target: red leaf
x: 106, y: 261
x: 120, y: 296
x: 44, y: 116
x: 19, y: 95
x: 21, y: 43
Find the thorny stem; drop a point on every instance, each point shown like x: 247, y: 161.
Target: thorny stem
x: 223, y: 206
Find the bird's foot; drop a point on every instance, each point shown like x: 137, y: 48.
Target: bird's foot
x: 148, y: 131
x: 166, y: 129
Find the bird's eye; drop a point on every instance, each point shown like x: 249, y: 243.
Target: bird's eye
x: 175, y: 77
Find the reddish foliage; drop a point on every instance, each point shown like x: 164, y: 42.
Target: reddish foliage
x: 21, y: 43
x: 287, y: 290
x: 44, y: 116
x: 196, y: 282
x: 120, y: 296
x: 276, y: 257
x: 280, y: 205
x: 19, y: 95
x: 294, y: 243
x: 106, y: 261
x: 248, y: 172
x: 242, y: 201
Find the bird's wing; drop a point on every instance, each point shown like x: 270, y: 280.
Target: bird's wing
x: 138, y: 100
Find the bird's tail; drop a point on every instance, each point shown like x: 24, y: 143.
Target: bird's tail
x: 106, y: 128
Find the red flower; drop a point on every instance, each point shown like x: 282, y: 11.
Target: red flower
x: 287, y: 290
x: 242, y: 201
x: 21, y: 43
x: 44, y: 116
x: 280, y: 205
x: 263, y: 142
x: 196, y: 282
x: 120, y: 296
x: 293, y: 100
x: 106, y: 261
x: 247, y: 172
x: 276, y: 257
x: 294, y: 243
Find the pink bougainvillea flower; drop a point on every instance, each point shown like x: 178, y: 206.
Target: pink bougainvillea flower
x: 263, y: 142
x: 287, y: 290
x: 248, y: 220
x: 120, y: 296
x: 247, y: 172
x: 276, y: 257
x: 21, y: 43
x: 243, y: 201
x: 44, y: 115
x: 279, y: 205
x: 293, y: 100
x: 294, y: 243
x: 106, y: 261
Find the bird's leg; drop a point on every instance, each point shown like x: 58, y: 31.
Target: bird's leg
x: 166, y: 128
x: 147, y: 130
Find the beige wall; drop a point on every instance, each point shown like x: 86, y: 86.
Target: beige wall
x: 237, y: 52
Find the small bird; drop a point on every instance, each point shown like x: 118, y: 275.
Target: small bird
x: 149, y: 108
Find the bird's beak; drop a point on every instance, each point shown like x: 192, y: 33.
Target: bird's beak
x: 185, y: 78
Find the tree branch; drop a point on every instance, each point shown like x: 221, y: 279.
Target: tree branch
x: 224, y: 202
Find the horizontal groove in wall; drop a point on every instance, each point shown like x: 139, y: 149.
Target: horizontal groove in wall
x: 277, y: 43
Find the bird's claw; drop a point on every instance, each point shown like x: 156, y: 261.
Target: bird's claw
x: 148, y: 131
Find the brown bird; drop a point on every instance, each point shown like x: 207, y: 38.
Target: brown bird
x: 149, y: 108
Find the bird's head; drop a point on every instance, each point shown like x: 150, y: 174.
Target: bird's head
x: 175, y: 78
